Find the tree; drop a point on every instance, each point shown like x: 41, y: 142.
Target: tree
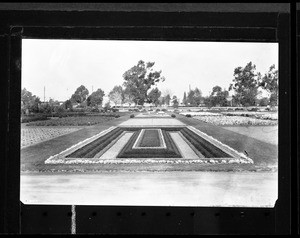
x: 116, y: 95
x: 153, y: 96
x: 218, y: 97
x: 190, y: 98
x: 68, y: 105
x: 107, y: 106
x: 80, y: 94
x: 167, y: 99
x: 184, y: 100
x: 270, y: 83
x: 96, y: 98
x: 29, y: 102
x: 139, y: 79
x: 264, y: 102
x: 128, y: 97
x: 245, y: 84
x: 161, y: 100
x: 175, y: 102
x: 194, y: 97
x: 197, y: 96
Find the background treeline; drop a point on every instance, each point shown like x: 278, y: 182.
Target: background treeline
x: 140, y: 87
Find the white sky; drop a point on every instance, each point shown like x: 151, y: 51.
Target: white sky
x: 63, y: 65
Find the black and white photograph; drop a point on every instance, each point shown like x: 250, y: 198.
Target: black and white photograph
x: 149, y: 123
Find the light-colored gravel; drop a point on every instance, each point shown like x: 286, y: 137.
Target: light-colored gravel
x: 152, y: 122
x: 34, y: 135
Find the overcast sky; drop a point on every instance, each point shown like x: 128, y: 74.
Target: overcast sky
x: 63, y: 65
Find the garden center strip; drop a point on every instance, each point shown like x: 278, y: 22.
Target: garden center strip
x: 115, y: 146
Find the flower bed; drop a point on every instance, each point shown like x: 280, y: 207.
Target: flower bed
x: 72, y: 121
x: 91, y: 149
x: 236, y: 120
x: 170, y: 152
x: 258, y: 115
x: 205, y: 147
x: 200, y: 114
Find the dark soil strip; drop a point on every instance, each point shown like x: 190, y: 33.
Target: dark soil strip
x: 206, y: 148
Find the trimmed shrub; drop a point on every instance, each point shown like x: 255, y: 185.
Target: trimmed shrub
x: 188, y: 115
x: 131, y: 116
x: 254, y: 109
x: 164, y: 110
x: 115, y: 110
x: 117, y: 116
x: 173, y: 115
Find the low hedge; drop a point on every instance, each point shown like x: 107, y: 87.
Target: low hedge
x: 173, y: 115
x: 31, y: 118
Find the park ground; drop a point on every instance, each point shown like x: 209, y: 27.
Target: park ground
x: 225, y: 185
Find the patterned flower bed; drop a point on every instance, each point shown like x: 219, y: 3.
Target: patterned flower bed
x: 236, y: 120
x: 91, y: 149
x: 257, y: 115
x: 171, y: 150
x: 117, y: 144
x: 200, y: 113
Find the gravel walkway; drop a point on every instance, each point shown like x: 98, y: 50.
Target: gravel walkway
x: 152, y: 122
x: 34, y: 135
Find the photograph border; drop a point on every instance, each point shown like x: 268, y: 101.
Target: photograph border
x: 241, y: 26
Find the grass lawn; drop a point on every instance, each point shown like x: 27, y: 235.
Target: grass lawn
x: 150, y: 139
x: 267, y: 134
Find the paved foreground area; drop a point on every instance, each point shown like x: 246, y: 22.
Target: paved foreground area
x: 245, y: 189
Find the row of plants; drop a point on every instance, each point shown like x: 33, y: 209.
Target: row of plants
x: 200, y: 113
x: 236, y: 120
x: 47, y: 116
x: 258, y: 115
x: 93, y: 148
x: 203, y: 146
x: 72, y: 121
